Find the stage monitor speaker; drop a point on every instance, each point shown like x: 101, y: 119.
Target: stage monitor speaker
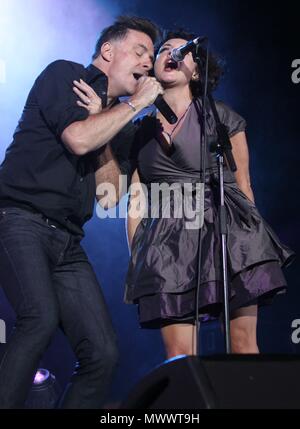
x: 224, y: 382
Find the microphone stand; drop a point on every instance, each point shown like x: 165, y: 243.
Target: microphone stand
x: 223, y: 150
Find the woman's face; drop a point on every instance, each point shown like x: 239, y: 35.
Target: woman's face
x: 168, y: 72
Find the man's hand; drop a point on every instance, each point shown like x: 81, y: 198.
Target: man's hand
x: 148, y: 88
x: 88, y: 98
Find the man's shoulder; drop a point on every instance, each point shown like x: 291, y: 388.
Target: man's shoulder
x: 64, y: 65
x: 61, y: 68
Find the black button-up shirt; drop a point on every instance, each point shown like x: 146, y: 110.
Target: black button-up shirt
x: 38, y: 172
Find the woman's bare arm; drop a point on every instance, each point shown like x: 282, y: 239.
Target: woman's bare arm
x: 135, y: 199
x: 241, y: 155
x: 106, y: 166
x: 107, y: 170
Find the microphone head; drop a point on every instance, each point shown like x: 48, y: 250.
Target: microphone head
x: 176, y: 55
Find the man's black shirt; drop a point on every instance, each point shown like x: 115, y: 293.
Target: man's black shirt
x: 38, y: 171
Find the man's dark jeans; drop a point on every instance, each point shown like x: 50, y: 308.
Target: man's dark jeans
x: 49, y: 282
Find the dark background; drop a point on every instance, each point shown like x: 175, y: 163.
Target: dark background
x: 259, y: 43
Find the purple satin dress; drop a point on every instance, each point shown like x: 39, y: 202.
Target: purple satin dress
x: 163, y: 268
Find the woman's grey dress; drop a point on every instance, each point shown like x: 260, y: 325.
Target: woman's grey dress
x: 163, y: 269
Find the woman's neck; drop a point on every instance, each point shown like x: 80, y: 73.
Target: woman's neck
x: 178, y: 98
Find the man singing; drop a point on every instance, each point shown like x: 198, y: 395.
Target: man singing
x: 47, y: 189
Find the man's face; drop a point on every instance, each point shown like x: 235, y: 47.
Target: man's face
x: 131, y: 58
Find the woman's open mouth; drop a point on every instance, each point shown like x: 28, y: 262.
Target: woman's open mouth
x: 171, y: 65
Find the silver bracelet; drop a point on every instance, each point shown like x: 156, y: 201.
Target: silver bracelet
x: 129, y: 104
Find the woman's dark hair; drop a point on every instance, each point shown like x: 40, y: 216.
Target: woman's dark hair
x: 215, y: 64
x: 119, y: 29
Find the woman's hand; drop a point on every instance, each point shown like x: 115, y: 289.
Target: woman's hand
x: 88, y: 98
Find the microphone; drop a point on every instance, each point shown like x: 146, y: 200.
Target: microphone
x: 165, y: 109
x: 178, y: 54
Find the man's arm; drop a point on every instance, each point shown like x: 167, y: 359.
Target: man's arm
x: 89, y: 135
